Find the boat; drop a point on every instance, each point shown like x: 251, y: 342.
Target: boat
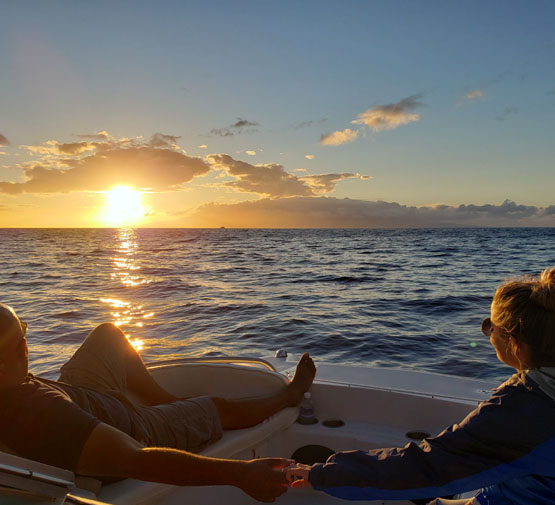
x: 357, y: 407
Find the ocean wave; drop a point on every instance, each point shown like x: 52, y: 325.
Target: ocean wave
x: 411, y: 298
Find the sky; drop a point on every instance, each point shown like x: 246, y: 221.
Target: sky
x: 277, y: 113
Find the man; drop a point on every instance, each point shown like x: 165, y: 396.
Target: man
x: 86, y: 424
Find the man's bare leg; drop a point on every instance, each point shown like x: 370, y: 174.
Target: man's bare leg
x: 236, y: 414
x: 138, y: 378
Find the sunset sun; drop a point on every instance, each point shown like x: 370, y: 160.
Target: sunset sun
x: 123, y: 206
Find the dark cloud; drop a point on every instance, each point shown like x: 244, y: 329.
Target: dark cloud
x: 506, y: 209
x: 141, y: 167
x: 272, y: 180
x: 103, y: 135
x: 325, y: 212
x: 161, y: 140
x: 509, y: 111
x: 307, y: 124
x: 4, y: 141
x: 240, y: 126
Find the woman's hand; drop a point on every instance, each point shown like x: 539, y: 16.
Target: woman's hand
x: 265, y: 479
x: 298, y: 475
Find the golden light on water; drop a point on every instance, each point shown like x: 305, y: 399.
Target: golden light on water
x: 136, y: 343
x: 127, y: 314
x: 123, y: 207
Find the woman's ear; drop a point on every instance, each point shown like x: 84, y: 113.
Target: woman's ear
x: 521, y: 351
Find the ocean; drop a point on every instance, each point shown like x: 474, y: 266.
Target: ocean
x: 408, y: 298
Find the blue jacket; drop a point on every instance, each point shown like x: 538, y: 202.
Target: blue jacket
x: 505, y: 448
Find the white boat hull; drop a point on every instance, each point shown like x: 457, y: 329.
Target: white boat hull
x: 379, y: 408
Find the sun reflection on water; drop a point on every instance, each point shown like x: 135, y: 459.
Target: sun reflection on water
x: 126, y: 314
x: 125, y: 268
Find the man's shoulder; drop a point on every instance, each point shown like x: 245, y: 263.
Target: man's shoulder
x: 41, y: 422
x: 31, y: 395
x: 28, y: 386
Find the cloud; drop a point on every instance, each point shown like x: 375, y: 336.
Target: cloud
x: 390, y: 116
x: 4, y: 141
x: 102, y: 135
x: 75, y: 147
x: 202, y: 146
x: 240, y: 126
x: 126, y: 161
x: 507, y: 209
x: 339, y: 137
x: 382, y: 117
x: 509, y: 111
x: 473, y: 94
x: 49, y: 147
x: 309, y: 156
x: 306, y: 124
x: 52, y: 148
x: 272, y: 180
x: 161, y: 140
x: 251, y: 153
x: 326, y: 182
x: 327, y: 212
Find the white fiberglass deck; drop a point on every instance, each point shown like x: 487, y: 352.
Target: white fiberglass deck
x: 378, y: 407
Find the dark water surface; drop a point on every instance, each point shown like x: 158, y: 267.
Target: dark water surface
x: 404, y: 298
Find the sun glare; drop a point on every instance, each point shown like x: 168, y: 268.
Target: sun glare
x: 123, y: 206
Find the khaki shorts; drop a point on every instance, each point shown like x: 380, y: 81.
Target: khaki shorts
x: 100, y: 364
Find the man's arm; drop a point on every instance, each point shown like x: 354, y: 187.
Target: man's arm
x: 109, y: 452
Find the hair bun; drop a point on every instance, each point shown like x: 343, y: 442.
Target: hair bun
x: 543, y: 293
x: 548, y: 276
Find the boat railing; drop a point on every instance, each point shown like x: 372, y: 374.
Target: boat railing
x: 216, y: 359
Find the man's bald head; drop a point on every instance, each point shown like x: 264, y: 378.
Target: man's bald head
x: 7, y: 319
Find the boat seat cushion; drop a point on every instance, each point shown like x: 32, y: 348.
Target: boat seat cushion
x: 235, y: 441
x: 232, y: 382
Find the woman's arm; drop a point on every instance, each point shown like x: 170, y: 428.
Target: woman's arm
x: 509, y: 437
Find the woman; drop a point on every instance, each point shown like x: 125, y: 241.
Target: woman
x: 505, y: 448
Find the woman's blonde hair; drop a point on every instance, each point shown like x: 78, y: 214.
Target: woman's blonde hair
x: 525, y: 309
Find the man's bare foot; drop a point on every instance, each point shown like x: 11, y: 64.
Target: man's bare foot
x: 302, y: 380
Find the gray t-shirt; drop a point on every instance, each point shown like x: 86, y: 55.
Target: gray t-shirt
x: 50, y: 421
